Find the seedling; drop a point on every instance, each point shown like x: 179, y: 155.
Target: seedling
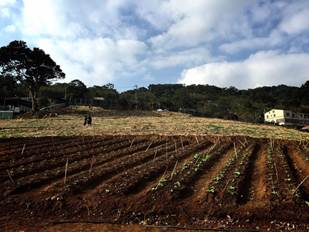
x: 211, y: 189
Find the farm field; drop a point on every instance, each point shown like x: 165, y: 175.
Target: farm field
x: 200, y: 181
x: 70, y: 123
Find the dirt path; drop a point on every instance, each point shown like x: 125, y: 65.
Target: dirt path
x: 258, y: 187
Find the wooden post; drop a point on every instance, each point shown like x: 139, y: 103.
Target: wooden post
x: 132, y: 143
x: 182, y: 143
x: 148, y: 147
x: 174, y: 169
x: 155, y: 154
x: 235, y: 150
x: 66, y: 170
x: 197, y: 140
x: 22, y: 151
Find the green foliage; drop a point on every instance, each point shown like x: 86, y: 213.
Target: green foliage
x: 33, y: 68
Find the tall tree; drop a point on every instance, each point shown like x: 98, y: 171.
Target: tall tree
x: 76, y: 89
x: 8, y: 86
x: 32, y: 67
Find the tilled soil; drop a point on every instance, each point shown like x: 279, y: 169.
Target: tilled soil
x: 213, y: 182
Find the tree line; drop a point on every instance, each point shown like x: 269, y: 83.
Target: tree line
x: 29, y: 72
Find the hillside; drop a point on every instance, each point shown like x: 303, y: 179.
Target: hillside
x: 70, y: 122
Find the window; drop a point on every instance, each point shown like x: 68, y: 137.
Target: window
x: 287, y: 114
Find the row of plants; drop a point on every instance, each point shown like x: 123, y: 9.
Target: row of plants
x: 201, y: 162
x: 170, y: 176
x: 56, y: 153
x: 33, y: 155
x: 59, y: 159
x: 220, y: 181
x: 272, y: 178
x: 279, y: 178
x: 85, y: 179
x: 131, y: 179
x: 81, y: 167
x: 38, y: 146
x: 286, y: 177
x: 238, y: 179
x: 17, y: 145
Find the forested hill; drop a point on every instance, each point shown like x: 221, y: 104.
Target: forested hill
x: 200, y: 100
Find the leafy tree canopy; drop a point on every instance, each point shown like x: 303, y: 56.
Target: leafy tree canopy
x: 31, y: 67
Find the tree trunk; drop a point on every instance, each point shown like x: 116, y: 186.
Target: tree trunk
x: 34, y: 99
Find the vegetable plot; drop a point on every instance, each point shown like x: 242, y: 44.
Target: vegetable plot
x: 154, y: 179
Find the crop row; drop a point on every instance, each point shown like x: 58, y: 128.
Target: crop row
x: 219, y: 184
x: 77, y: 154
x: 235, y: 187
x: 40, y: 144
x: 12, y: 159
x: 85, y: 180
x: 131, y: 180
x: 39, y: 179
x: 279, y: 178
x: 18, y: 143
x: 180, y: 182
x: 56, y: 153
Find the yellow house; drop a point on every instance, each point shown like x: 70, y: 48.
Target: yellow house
x: 286, y: 117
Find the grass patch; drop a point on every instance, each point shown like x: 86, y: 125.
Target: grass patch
x: 113, y: 122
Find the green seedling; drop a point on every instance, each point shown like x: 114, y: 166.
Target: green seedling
x: 237, y: 173
x: 211, y: 189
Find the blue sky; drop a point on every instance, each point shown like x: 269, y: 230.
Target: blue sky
x: 242, y: 43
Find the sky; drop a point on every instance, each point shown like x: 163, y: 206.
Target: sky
x: 241, y: 43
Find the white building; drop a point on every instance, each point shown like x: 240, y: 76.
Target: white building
x: 286, y: 117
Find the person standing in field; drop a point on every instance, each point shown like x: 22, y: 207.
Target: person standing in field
x: 85, y: 120
x: 88, y: 120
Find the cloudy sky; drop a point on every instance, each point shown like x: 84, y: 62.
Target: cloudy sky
x: 242, y: 43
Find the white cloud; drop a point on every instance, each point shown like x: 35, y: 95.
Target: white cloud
x: 94, y: 61
x: 48, y: 17
x: 10, y: 28
x: 296, y: 23
x: 200, y: 21
x: 255, y: 43
x: 262, y: 68
x: 148, y: 10
x: 104, y: 41
x: 4, y: 3
x: 186, y: 58
x: 87, y: 39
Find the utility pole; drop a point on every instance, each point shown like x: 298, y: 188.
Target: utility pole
x: 135, y: 95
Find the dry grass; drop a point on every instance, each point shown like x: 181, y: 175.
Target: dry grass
x: 112, y: 122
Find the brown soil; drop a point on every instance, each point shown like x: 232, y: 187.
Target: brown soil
x: 161, y: 180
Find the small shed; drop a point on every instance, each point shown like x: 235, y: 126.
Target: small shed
x: 6, y: 114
